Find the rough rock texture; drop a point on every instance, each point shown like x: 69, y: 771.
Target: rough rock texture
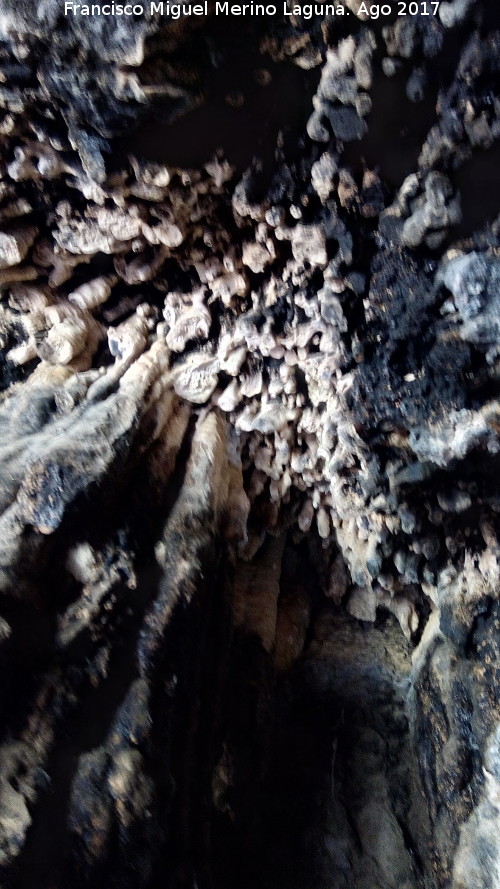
x: 249, y: 453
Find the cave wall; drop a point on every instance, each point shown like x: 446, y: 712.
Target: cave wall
x: 249, y: 559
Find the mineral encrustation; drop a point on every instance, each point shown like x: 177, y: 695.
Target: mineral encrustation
x: 250, y: 449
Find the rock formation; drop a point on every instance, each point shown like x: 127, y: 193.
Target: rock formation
x: 249, y: 452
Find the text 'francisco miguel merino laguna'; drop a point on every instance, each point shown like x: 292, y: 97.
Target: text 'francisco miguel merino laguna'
x: 178, y: 10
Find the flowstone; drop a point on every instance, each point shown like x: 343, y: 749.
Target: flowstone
x: 249, y: 451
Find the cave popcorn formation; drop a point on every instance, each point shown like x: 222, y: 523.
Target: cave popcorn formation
x: 294, y: 365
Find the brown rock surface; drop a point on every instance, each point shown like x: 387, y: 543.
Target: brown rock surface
x: 249, y: 439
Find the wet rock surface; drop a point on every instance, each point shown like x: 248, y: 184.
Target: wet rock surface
x: 249, y: 451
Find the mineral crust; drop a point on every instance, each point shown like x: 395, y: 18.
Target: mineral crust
x: 249, y: 453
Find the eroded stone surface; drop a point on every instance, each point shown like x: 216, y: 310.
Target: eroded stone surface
x: 249, y: 558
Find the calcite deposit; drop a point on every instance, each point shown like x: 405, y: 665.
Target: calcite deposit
x: 249, y: 452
